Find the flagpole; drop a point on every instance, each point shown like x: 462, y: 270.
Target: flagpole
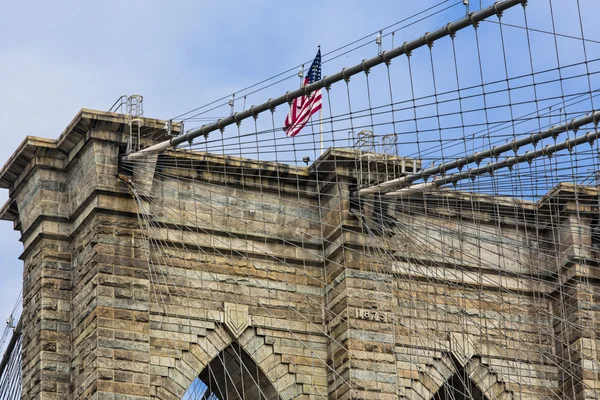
x: 321, y: 127
x: 321, y: 120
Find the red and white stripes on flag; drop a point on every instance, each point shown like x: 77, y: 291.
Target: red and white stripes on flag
x: 300, y: 112
x: 305, y: 106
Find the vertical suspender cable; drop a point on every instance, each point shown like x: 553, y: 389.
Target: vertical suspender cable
x: 344, y: 74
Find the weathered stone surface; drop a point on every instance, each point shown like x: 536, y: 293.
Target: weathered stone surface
x: 269, y: 263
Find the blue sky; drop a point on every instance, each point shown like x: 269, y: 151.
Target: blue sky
x: 58, y: 57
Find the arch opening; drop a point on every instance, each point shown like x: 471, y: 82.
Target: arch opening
x: 232, y: 374
x: 459, y: 387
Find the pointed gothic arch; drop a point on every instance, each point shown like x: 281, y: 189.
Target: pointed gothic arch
x: 455, y: 371
x: 459, y: 387
x: 233, y: 374
x: 468, y: 380
x: 273, y: 371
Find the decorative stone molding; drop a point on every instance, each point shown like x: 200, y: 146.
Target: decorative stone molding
x: 462, y: 347
x: 236, y: 318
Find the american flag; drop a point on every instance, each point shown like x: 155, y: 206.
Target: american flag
x: 305, y: 106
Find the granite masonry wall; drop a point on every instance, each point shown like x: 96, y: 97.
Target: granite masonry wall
x: 131, y: 297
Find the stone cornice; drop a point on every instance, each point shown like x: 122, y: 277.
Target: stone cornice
x: 76, y: 131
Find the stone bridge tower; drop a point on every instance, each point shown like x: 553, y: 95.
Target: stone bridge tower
x: 295, y: 309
